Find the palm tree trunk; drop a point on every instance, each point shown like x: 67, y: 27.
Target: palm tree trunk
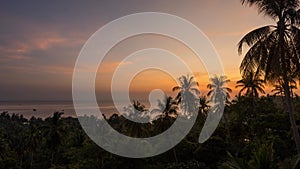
x: 286, y: 86
x: 291, y: 111
x: 31, y: 160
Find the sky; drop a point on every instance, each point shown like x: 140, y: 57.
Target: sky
x: 41, y: 40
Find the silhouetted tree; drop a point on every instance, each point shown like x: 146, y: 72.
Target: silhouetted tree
x: 219, y: 95
x: 252, y: 84
x: 187, y: 95
x: 203, y: 105
x: 274, y: 49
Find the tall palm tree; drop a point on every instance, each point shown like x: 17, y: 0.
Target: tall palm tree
x: 188, y: 94
x: 218, y: 91
x: 188, y: 97
x: 274, y: 49
x: 219, y: 96
x: 252, y: 84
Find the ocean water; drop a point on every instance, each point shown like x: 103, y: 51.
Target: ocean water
x: 44, y: 109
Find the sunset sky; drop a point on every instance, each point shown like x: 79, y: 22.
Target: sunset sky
x: 40, y: 41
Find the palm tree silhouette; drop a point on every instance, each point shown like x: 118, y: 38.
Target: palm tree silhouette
x: 252, y: 84
x: 219, y: 96
x: 140, y: 114
x: 274, y: 49
x: 166, y: 114
x: 203, y: 105
x: 278, y: 89
x: 218, y: 91
x: 187, y: 95
x: 167, y: 110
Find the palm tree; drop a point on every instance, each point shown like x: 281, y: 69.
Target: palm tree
x: 218, y: 90
x: 167, y: 110
x: 252, y: 84
x: 278, y: 85
x: 219, y: 95
x: 139, y: 113
x: 277, y: 90
x: 187, y: 95
x: 274, y: 49
x: 203, y: 105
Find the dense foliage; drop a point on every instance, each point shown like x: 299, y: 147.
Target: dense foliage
x: 258, y: 137
x: 255, y: 132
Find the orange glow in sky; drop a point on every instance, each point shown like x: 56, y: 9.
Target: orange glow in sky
x: 40, y: 44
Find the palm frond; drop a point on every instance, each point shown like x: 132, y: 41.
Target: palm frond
x: 253, y: 37
x: 176, y: 88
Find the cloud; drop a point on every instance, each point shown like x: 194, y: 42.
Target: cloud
x: 39, y: 41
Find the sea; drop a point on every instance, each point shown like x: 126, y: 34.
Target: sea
x: 44, y: 109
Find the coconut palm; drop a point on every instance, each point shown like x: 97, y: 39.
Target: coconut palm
x: 188, y: 94
x: 218, y: 91
x: 219, y: 95
x: 203, y: 105
x: 278, y: 89
x: 139, y: 113
x: 252, y: 84
x: 167, y: 113
x: 166, y: 108
x: 274, y: 49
